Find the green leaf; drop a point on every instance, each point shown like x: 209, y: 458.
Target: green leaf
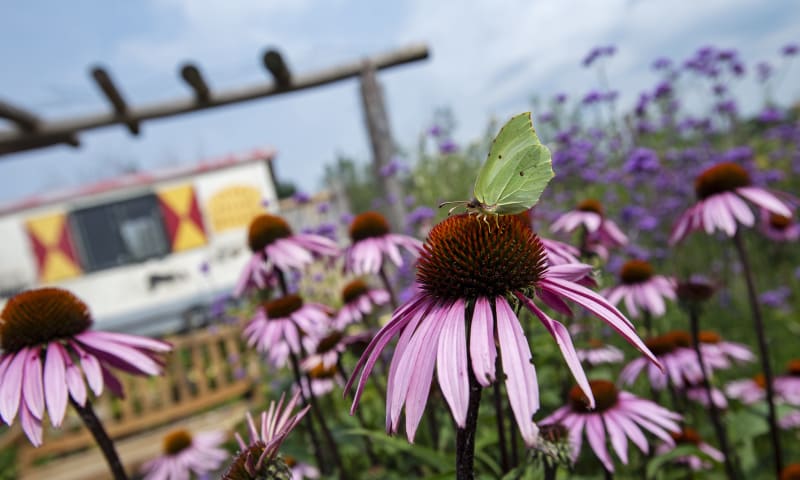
x: 680, y: 451
x: 429, y: 457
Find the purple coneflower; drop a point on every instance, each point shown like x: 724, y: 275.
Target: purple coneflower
x: 359, y: 299
x: 718, y: 353
x: 186, y: 454
x: 696, y: 392
x: 601, y: 231
x: 616, y: 416
x: 674, y: 352
x: 278, y: 325
x: 259, y: 458
x: 48, y: 350
x: 748, y: 390
x: 275, y: 246
x: 600, y: 352
x: 641, y: 288
x: 300, y: 470
x: 322, y: 379
x: 468, y: 272
x: 371, y: 241
x: 688, y: 436
x: 720, y: 192
x: 779, y: 228
x: 788, y: 385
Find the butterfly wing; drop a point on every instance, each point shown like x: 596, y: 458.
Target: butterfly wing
x: 517, y: 170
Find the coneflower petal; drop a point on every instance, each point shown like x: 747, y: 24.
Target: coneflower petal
x: 765, y: 199
x: 32, y: 388
x: 11, y: 387
x: 617, y: 436
x: 55, y: 379
x: 596, y: 435
x: 561, y: 335
x: 402, y: 368
x: 420, y: 385
x: 483, y: 351
x: 521, y: 383
x: 451, y: 362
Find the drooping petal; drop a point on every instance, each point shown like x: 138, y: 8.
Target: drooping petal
x: 451, y: 362
x: 420, y: 385
x: 617, y: 436
x: 136, y: 341
x: 11, y: 388
x: 77, y: 389
x: 483, y: 352
x: 601, y: 308
x: 55, y: 379
x: 32, y: 388
x: 31, y: 425
x: 765, y: 199
x: 521, y: 384
x: 91, y: 368
x: 596, y: 435
x: 564, y: 341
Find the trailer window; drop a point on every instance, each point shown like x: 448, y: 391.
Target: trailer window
x: 120, y: 233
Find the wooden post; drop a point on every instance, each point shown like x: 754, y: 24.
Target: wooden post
x: 380, y: 137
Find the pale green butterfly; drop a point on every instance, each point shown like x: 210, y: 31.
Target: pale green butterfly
x: 515, y: 174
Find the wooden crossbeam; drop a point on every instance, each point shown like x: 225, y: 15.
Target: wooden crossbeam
x: 24, y: 119
x: 48, y: 131
x: 114, y: 96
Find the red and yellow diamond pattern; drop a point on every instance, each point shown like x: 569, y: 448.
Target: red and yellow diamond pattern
x: 182, y: 217
x: 53, y: 248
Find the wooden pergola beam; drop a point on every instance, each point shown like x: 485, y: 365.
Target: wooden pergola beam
x: 192, y: 76
x: 66, y: 128
x: 114, y: 96
x: 23, y: 119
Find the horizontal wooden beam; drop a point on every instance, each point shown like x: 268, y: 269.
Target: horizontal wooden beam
x: 17, y: 141
x: 24, y: 119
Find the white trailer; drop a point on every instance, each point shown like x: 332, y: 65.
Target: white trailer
x: 145, y: 250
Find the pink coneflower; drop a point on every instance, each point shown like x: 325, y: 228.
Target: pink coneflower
x: 467, y: 271
x: 719, y: 354
x: 748, y: 390
x: 259, y: 458
x: 599, y: 353
x: 788, y: 385
x: 278, y: 326
x: 601, y: 232
x: 186, y: 454
x: 616, y: 416
x: 674, y: 352
x: 325, y: 348
x: 48, y: 349
x: 322, y: 379
x: 696, y: 392
x: 641, y: 288
x: 779, y: 228
x: 359, y: 299
x: 720, y: 192
x: 372, y: 240
x: 688, y: 436
x: 275, y: 246
x: 300, y: 470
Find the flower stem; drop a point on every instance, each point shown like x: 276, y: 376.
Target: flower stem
x: 762, y: 351
x: 550, y: 470
x: 312, y: 432
x: 465, y: 437
x: 719, y: 428
x: 86, y: 412
x: 501, y: 424
x: 388, y: 287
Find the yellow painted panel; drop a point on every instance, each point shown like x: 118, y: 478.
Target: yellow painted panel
x: 188, y: 236
x: 58, y: 266
x: 234, y: 207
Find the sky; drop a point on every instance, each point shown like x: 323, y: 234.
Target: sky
x: 487, y: 60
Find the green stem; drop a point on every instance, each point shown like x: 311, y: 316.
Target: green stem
x: 763, y: 352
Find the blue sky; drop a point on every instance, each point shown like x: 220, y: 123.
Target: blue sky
x: 488, y: 59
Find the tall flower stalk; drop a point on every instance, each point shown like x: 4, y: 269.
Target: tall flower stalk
x: 763, y: 352
x: 691, y: 295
